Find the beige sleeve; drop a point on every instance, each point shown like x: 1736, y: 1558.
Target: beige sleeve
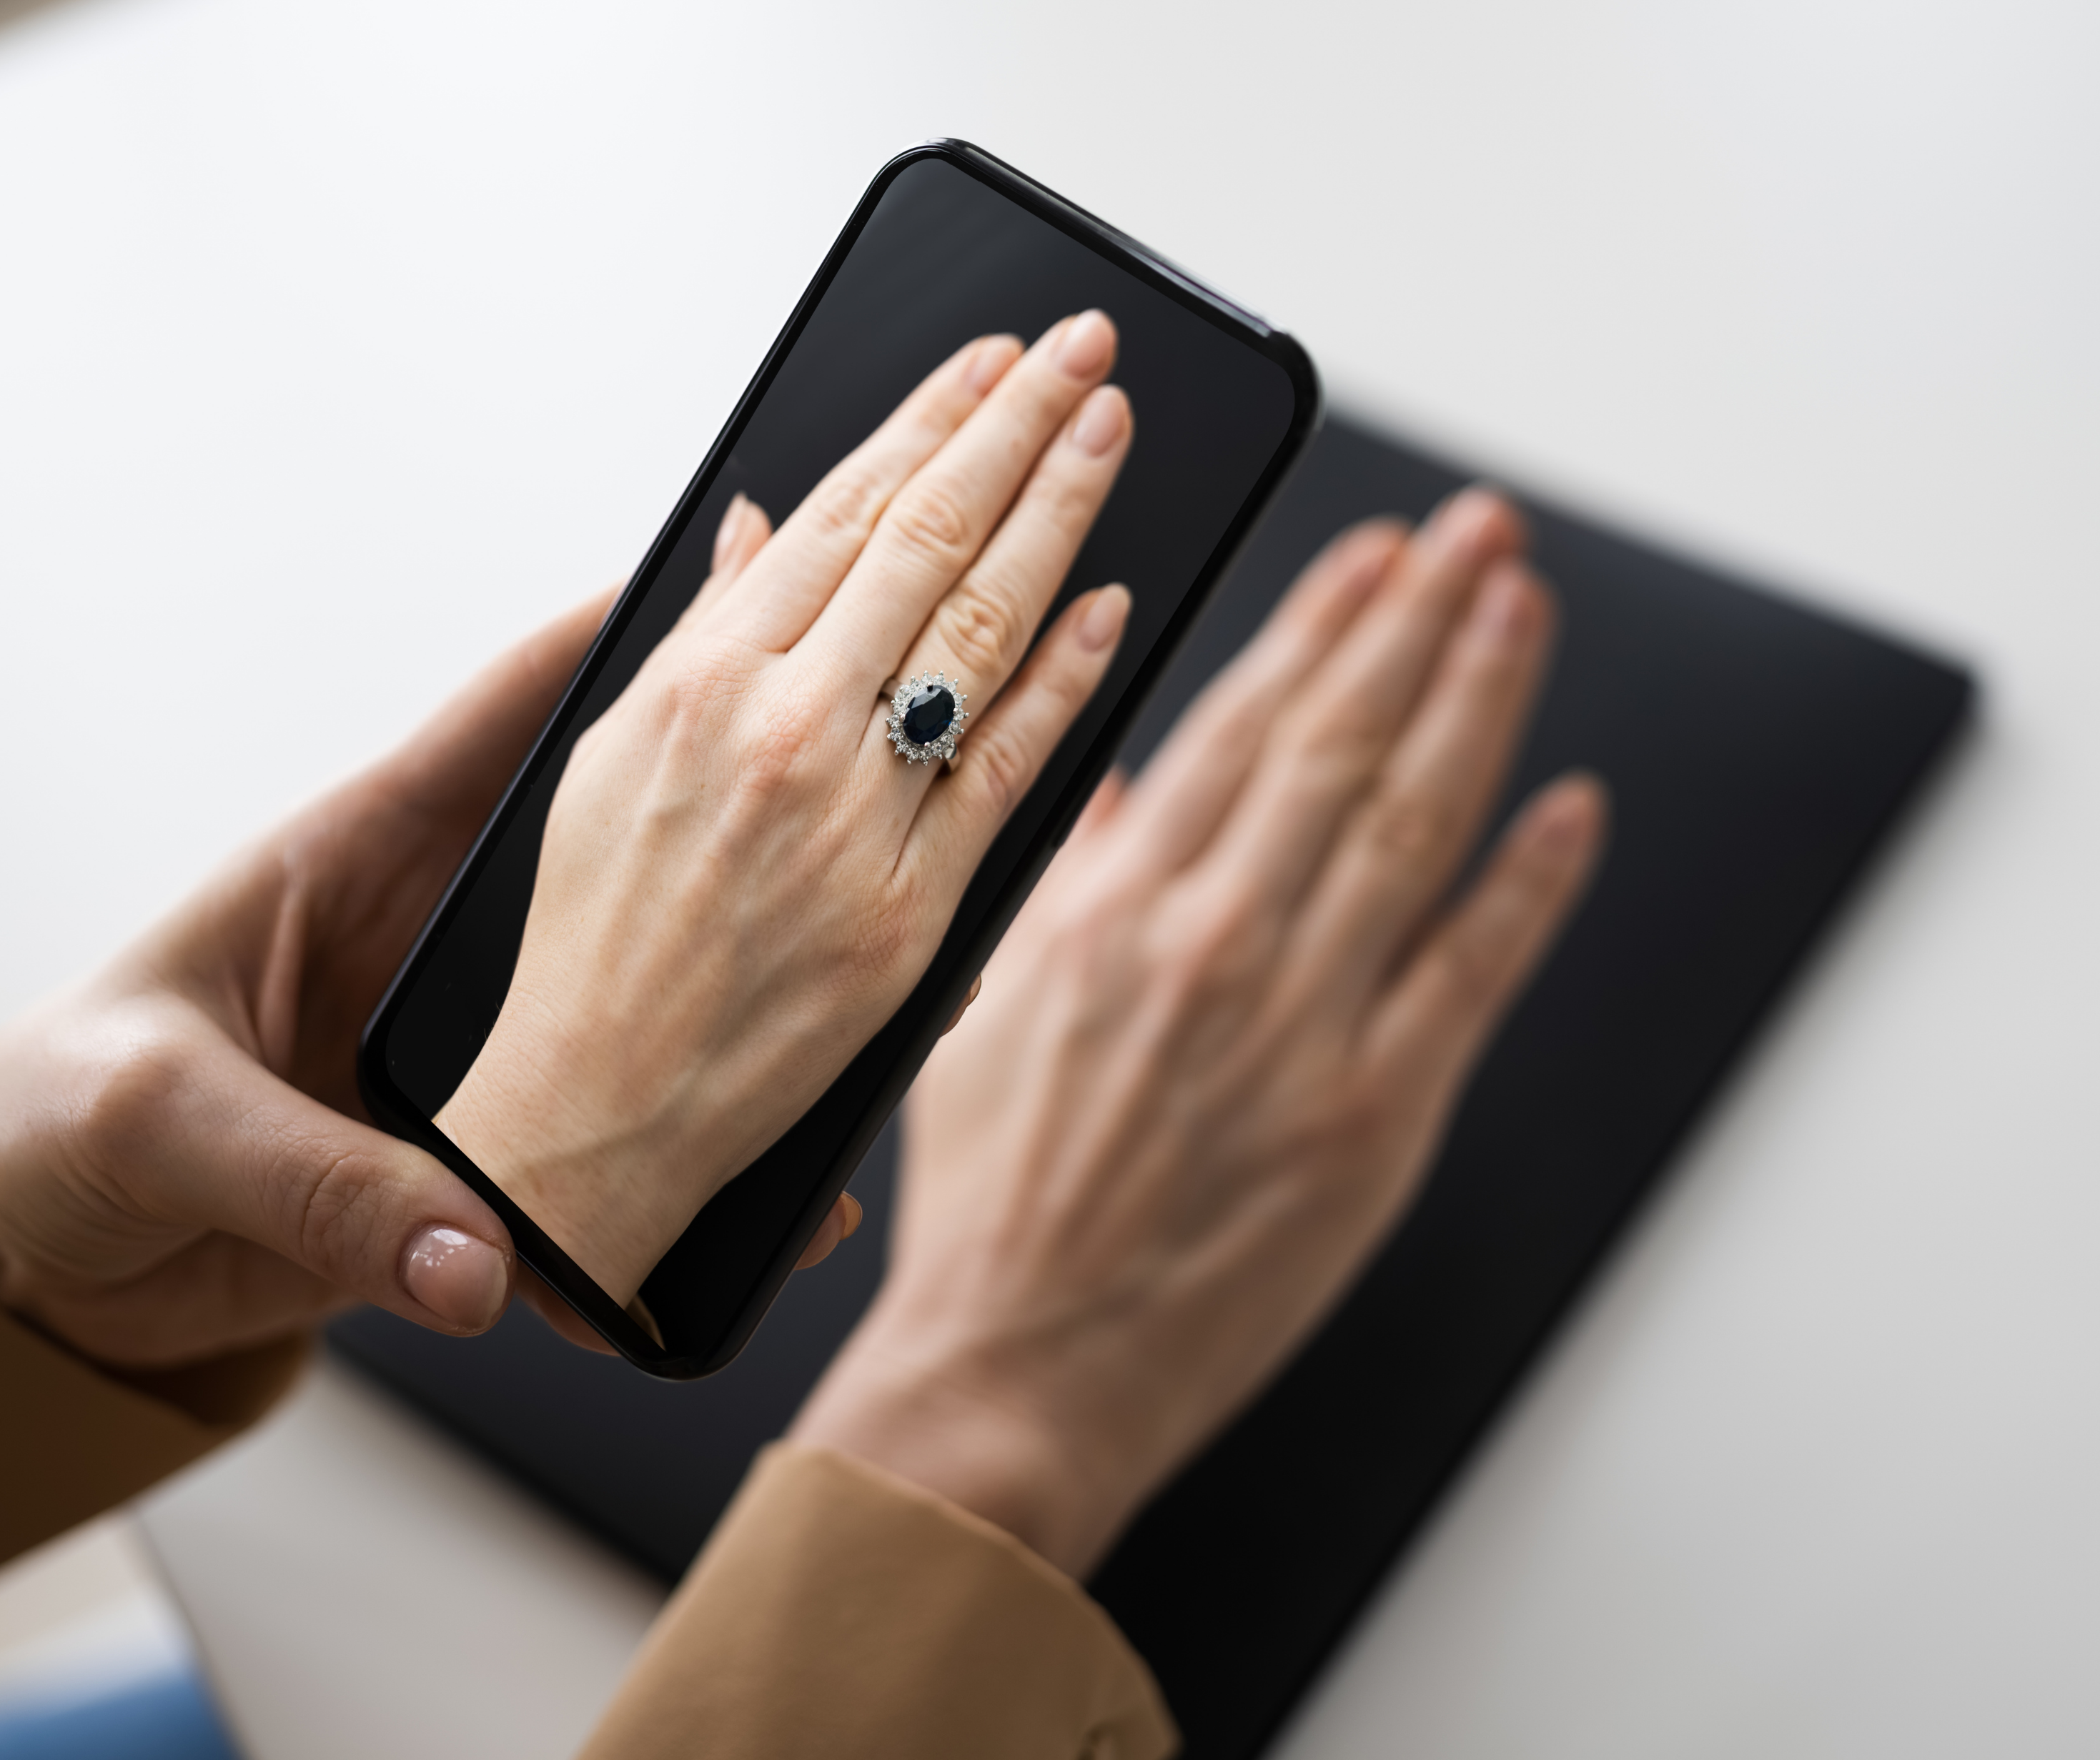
x: 79, y: 1439
x: 839, y: 1611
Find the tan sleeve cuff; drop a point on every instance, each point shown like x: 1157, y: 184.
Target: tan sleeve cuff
x: 79, y: 1439
x: 839, y: 1610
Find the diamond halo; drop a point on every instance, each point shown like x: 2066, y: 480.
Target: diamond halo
x: 943, y: 745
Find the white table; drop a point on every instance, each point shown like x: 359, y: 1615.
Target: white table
x: 340, y: 343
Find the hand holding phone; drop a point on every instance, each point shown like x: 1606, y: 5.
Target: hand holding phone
x: 743, y: 876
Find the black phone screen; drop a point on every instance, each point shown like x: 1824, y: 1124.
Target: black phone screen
x: 946, y: 246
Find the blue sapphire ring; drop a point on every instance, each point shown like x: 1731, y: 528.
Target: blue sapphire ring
x: 926, y: 718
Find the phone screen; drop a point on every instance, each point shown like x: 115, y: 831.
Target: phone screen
x: 945, y: 249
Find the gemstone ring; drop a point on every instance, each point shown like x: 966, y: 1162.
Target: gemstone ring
x: 926, y: 718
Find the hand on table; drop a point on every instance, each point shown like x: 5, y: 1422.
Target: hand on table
x: 1215, y: 1053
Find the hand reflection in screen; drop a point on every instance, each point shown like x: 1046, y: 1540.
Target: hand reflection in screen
x: 742, y: 877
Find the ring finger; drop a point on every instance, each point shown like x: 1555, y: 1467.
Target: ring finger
x: 981, y: 630
x: 937, y: 524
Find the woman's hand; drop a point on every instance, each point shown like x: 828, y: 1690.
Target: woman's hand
x: 742, y: 879
x: 185, y: 1166
x: 1215, y: 1053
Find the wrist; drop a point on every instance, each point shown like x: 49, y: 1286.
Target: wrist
x: 952, y: 1429
x: 572, y: 1193
x: 612, y: 1176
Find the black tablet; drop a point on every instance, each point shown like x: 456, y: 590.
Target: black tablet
x: 1760, y: 753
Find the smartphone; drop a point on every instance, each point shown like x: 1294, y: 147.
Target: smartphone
x: 948, y: 244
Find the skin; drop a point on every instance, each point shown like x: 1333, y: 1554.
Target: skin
x: 741, y: 879
x: 1218, y: 1049
x: 1213, y: 1057
x: 185, y: 1165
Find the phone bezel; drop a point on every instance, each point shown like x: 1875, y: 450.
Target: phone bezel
x: 393, y: 1110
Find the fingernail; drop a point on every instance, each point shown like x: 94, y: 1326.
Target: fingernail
x: 989, y: 362
x: 1088, y: 341
x: 853, y: 1217
x: 1104, y: 619
x: 1477, y: 518
x: 1374, y: 561
x: 462, y: 1280
x: 732, y: 522
x: 1503, y: 610
x: 1102, y: 418
x: 1567, y: 818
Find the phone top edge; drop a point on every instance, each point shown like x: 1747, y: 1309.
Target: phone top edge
x: 1011, y: 175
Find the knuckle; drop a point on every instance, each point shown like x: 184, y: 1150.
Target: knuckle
x: 928, y: 519
x: 705, y: 685
x: 847, y: 503
x: 1331, y: 758
x: 1214, y: 942
x: 335, y: 1212
x: 984, y: 625
x: 1066, y: 500
x: 1408, y: 827
x: 1467, y: 973
x: 130, y: 1101
x: 1343, y: 746
x: 778, y: 748
x: 1004, y: 770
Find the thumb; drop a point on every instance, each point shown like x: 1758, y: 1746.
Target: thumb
x: 201, y: 1135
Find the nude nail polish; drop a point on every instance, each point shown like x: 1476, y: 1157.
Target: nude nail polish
x: 726, y: 534
x: 1086, y: 345
x: 1102, y: 418
x: 1104, y: 619
x: 1503, y: 610
x: 463, y: 1280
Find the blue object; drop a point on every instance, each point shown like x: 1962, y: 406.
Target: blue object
x: 167, y: 1716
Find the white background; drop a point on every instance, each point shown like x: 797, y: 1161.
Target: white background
x: 340, y: 343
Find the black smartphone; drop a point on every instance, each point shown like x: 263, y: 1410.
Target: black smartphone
x: 948, y: 244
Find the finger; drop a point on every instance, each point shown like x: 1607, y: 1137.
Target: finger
x: 563, y: 1320
x: 776, y: 600
x: 1318, y: 761
x: 955, y: 1020
x: 981, y: 630
x: 1183, y: 791
x: 459, y: 761
x: 741, y: 535
x: 935, y: 524
x: 839, y: 1224
x: 1404, y: 843
x: 212, y: 1296
x: 960, y: 816
x: 192, y: 1131
x: 1440, y: 1010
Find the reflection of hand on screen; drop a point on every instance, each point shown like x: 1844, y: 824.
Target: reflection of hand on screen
x: 1215, y: 1051
x: 741, y: 878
